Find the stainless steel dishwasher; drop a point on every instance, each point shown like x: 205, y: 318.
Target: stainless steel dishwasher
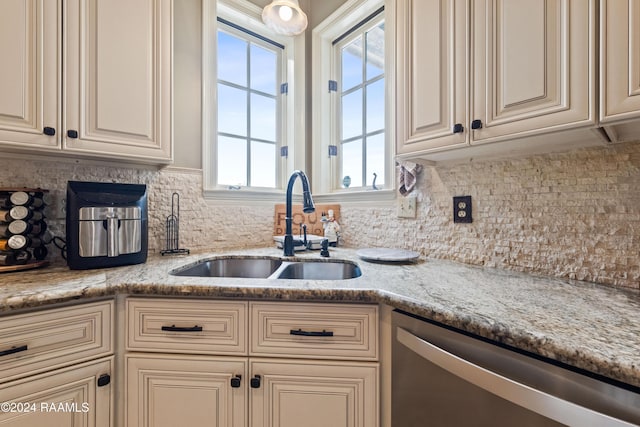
x: 442, y: 377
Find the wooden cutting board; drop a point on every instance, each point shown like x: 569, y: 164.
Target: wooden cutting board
x: 314, y: 225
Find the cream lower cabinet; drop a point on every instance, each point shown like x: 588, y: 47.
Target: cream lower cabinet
x: 473, y: 72
x: 87, y: 78
x: 313, y: 393
x: 56, y: 367
x: 178, y: 390
x: 278, y: 364
x: 78, y: 396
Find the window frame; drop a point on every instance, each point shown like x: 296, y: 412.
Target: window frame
x: 248, y: 16
x: 325, y: 177
x: 280, y: 122
x: 338, y: 67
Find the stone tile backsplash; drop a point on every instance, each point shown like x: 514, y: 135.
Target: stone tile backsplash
x: 572, y: 215
x: 203, y: 225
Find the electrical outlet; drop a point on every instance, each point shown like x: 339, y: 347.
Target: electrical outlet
x: 58, y: 207
x: 462, y: 209
x: 407, y: 207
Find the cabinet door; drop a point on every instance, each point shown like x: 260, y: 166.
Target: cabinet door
x: 77, y: 396
x: 532, y: 67
x: 118, y: 79
x: 29, y: 76
x: 619, y: 60
x: 314, y: 394
x: 194, y: 391
x: 431, y: 74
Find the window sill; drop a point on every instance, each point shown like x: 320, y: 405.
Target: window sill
x: 245, y: 196
x: 362, y: 198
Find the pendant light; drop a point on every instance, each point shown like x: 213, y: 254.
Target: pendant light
x: 285, y: 17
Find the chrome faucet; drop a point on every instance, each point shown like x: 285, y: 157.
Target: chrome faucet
x: 307, y: 207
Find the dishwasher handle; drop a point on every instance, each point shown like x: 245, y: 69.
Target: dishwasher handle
x: 545, y: 404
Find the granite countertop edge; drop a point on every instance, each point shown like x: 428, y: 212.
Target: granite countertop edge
x: 501, y: 306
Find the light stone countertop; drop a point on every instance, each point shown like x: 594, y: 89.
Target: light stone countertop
x: 589, y: 326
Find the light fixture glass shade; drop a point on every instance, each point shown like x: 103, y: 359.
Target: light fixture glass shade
x: 285, y: 17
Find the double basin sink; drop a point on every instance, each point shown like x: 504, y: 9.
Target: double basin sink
x: 271, y: 268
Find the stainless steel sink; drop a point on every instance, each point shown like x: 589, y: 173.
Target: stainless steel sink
x: 272, y: 268
x: 257, y: 268
x: 310, y: 270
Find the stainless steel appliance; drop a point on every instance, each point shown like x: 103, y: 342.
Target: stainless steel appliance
x: 442, y: 377
x: 106, y: 224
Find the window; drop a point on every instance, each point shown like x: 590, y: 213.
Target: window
x: 248, y: 110
x: 352, y: 145
x: 251, y: 143
x: 359, y: 59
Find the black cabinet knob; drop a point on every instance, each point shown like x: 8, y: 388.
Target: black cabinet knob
x: 235, y: 381
x: 458, y: 128
x: 476, y: 124
x: 72, y: 134
x: 104, y: 380
x: 255, y: 381
x: 49, y: 131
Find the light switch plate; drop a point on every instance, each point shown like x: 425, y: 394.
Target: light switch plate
x: 406, y: 207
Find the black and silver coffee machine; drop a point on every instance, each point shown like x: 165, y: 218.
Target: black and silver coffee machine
x: 106, y: 224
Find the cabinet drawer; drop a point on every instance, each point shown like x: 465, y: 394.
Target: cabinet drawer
x: 324, y: 331
x: 48, y: 339
x: 186, y: 326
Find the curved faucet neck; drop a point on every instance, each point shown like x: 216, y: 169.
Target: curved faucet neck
x: 307, y: 207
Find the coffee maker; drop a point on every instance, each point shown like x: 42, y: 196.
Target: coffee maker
x: 106, y: 224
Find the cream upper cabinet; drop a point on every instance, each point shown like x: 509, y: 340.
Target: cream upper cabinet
x: 533, y: 67
x: 620, y: 68
x: 30, y: 80
x: 619, y: 60
x: 471, y: 72
x: 431, y: 74
x: 118, y: 78
x: 87, y: 77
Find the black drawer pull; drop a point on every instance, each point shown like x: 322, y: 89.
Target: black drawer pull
x: 49, y: 131
x: 476, y: 124
x: 13, y: 350
x: 174, y: 328
x: 302, y: 333
x: 73, y: 134
x: 458, y: 128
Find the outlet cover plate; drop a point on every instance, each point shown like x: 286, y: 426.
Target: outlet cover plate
x: 407, y: 207
x: 462, y: 209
